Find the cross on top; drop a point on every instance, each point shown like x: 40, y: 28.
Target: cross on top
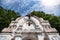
x: 29, y: 16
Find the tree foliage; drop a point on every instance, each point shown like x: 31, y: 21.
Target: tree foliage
x: 54, y: 20
x: 6, y: 17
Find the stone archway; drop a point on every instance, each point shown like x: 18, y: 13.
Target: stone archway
x: 29, y: 38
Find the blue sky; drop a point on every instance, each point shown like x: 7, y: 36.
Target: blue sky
x: 26, y: 6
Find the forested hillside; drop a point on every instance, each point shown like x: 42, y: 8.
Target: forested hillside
x: 6, y: 16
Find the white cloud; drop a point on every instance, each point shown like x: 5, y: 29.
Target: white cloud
x: 50, y: 3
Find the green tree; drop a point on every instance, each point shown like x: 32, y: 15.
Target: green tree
x: 6, y: 17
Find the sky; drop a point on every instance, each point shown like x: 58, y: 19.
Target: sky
x: 27, y: 6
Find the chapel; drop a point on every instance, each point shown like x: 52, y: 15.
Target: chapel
x: 29, y: 28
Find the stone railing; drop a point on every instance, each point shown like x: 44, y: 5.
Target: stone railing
x: 32, y: 30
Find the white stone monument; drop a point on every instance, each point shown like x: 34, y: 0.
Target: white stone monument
x: 29, y: 28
